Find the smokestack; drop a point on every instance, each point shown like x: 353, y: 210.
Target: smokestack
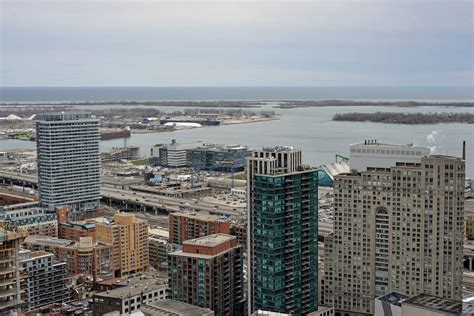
x: 464, y: 150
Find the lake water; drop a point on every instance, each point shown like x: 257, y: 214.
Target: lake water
x: 56, y: 94
x: 313, y: 131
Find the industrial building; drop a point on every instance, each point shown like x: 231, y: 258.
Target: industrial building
x: 129, y: 237
x: 130, y: 298
x: 68, y: 160
x: 208, y: 272
x: 396, y: 228
x: 11, y: 275
x: 282, y: 238
x: 81, y: 257
x: 45, y: 279
x: 225, y: 158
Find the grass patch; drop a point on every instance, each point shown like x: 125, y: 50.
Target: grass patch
x: 139, y: 162
x: 239, y: 176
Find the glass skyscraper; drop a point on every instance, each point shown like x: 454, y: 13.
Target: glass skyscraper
x: 282, y: 232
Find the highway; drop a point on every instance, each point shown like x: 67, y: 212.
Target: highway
x: 168, y: 203
x: 19, y: 176
x: 148, y: 200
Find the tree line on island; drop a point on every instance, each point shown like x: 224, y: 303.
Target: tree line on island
x: 405, y: 118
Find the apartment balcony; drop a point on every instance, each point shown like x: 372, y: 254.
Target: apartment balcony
x: 7, y: 270
x: 8, y: 304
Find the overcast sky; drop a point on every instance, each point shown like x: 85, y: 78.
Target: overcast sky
x: 246, y: 43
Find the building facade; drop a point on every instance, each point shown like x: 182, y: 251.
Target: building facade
x: 373, y: 154
x: 11, y: 290
x: 129, y: 237
x: 81, y: 257
x: 76, y: 230
x: 45, y: 279
x: 208, y: 272
x: 172, y: 155
x: 225, y: 158
x: 396, y: 229
x: 282, y: 235
x: 68, y: 160
x: 129, y: 299
x: 184, y: 226
x: 35, y: 220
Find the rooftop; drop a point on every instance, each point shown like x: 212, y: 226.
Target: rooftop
x: 48, y: 241
x: 63, y: 116
x: 393, y: 298
x: 36, y: 254
x: 84, y: 242
x: 434, y: 303
x: 210, y: 241
x: 278, y: 149
x: 135, y: 287
x: 375, y: 143
x: 86, y: 224
x: 175, y: 307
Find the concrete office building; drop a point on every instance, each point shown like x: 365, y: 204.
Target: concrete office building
x: 208, y: 272
x: 397, y: 228
x: 81, y: 257
x: 184, y: 226
x: 129, y: 237
x: 11, y: 291
x: 45, y: 279
x: 68, y: 160
x: 172, y: 155
x: 282, y: 236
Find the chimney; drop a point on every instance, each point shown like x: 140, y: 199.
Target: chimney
x: 464, y: 150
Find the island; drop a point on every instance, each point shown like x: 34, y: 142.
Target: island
x: 322, y: 103
x: 406, y: 118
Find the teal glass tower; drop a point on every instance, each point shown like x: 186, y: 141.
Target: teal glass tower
x: 282, y: 232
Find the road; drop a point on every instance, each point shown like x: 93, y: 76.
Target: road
x: 168, y: 203
x: 146, y: 199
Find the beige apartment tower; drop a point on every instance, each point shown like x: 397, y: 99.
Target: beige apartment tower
x: 396, y: 229
x: 129, y: 237
x: 11, y: 288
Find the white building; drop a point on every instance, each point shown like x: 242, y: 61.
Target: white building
x: 172, y: 155
x: 371, y: 153
x: 68, y: 160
